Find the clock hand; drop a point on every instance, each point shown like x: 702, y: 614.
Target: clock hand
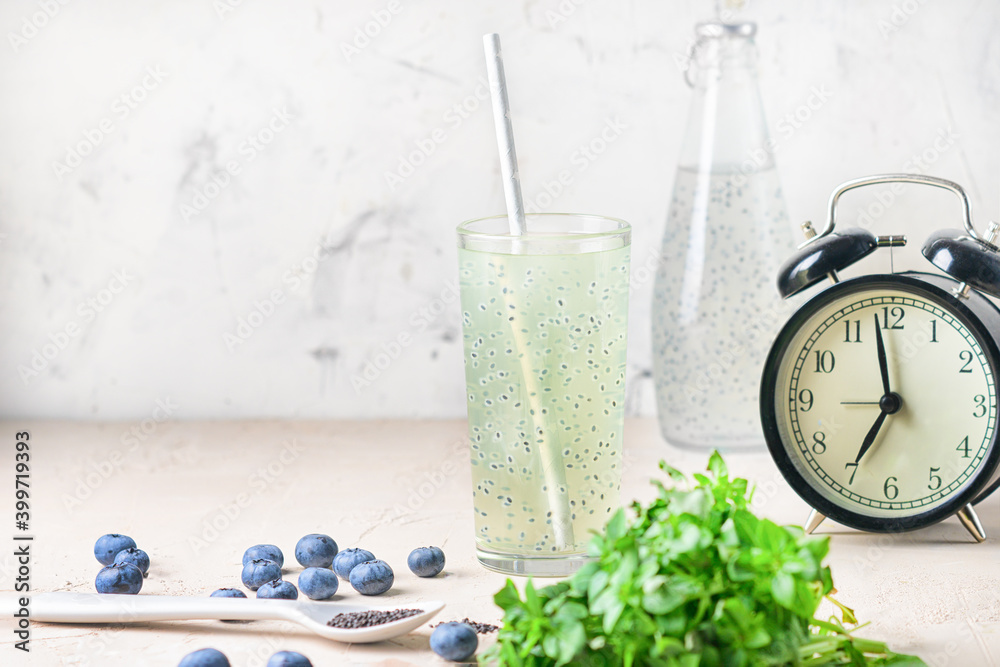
x: 890, y: 402
x: 859, y: 402
x: 883, y: 365
x: 870, y: 438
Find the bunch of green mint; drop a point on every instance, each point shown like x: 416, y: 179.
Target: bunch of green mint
x: 694, y: 580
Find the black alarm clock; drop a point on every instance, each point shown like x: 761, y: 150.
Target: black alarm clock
x: 879, y: 396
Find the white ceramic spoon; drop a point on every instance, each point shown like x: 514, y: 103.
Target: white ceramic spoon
x: 95, y: 608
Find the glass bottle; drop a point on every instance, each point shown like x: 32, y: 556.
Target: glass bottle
x: 715, y: 308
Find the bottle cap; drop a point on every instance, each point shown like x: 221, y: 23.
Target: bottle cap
x: 713, y: 29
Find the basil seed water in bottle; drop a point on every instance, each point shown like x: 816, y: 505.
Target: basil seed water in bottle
x: 715, y: 308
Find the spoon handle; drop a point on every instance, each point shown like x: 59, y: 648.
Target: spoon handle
x: 96, y: 608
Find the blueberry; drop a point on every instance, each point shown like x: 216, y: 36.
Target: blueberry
x: 134, y: 556
x: 206, y: 657
x: 228, y: 593
x: 426, y: 561
x: 259, y: 571
x: 454, y: 641
x: 278, y: 590
x: 288, y: 659
x: 345, y: 561
x: 373, y: 577
x: 108, y: 546
x: 264, y: 551
x: 315, y: 550
x: 124, y: 579
x: 318, y: 583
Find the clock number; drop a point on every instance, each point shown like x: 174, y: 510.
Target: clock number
x: 806, y: 396
x: 963, y: 447
x: 896, y: 312
x: 966, y: 356
x: 934, y: 331
x: 980, y: 406
x: 853, y: 472
x: 934, y: 479
x: 890, y: 490
x: 819, y: 442
x: 856, y: 338
x: 825, y: 361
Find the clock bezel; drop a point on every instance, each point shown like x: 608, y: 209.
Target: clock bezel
x: 976, y: 313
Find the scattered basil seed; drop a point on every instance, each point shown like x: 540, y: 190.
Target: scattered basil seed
x: 480, y: 628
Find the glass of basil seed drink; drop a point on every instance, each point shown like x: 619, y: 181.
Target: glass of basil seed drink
x: 544, y: 319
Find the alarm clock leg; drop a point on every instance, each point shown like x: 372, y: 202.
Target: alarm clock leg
x: 812, y: 523
x: 968, y: 517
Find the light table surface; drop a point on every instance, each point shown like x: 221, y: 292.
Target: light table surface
x: 194, y: 495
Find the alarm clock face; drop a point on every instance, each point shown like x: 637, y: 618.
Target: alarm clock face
x: 871, y: 458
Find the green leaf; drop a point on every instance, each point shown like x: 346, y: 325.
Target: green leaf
x: 771, y: 536
x: 783, y: 589
x: 745, y: 524
x: 673, y: 473
x: 717, y: 466
x: 531, y: 599
x: 697, y: 503
x: 507, y: 597
x: 904, y: 661
x: 689, y: 539
x: 552, y: 645
x: 663, y: 595
x: 690, y: 579
x: 597, y: 583
x: 741, y: 568
x: 612, y: 613
x: 616, y: 526
x: 846, y: 613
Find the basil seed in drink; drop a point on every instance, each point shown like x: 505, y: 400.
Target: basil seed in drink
x: 544, y: 327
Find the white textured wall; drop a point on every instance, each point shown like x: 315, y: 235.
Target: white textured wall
x: 899, y: 76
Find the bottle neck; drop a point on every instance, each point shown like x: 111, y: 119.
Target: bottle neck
x: 726, y: 129
x: 717, y: 59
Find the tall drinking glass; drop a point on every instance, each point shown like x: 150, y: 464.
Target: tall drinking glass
x: 544, y: 320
